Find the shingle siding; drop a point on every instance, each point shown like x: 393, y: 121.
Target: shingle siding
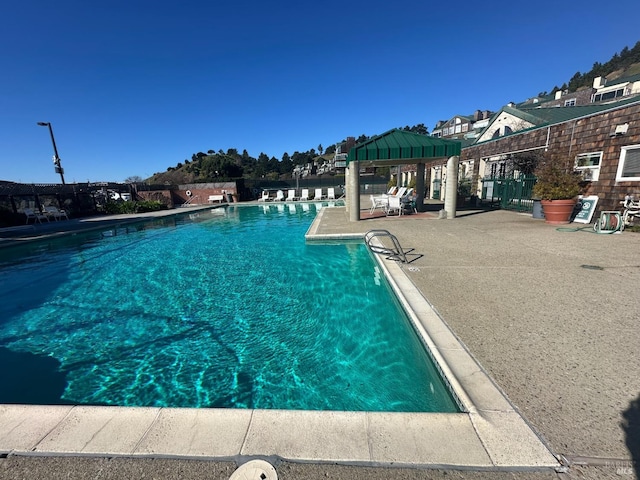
x: 568, y: 139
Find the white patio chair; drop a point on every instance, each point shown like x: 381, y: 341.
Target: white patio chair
x: 55, y: 212
x: 305, y: 194
x: 380, y: 202
x: 35, y: 216
x: 318, y: 195
x: 395, y: 204
x: 331, y: 193
x: 279, y: 196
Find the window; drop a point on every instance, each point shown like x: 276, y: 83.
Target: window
x: 588, y: 164
x: 570, y: 103
x: 629, y: 165
x: 609, y: 95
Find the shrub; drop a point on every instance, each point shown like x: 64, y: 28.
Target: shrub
x: 120, y: 207
x: 464, y: 187
x: 556, y: 182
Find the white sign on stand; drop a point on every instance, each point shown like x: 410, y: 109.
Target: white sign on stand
x: 588, y: 208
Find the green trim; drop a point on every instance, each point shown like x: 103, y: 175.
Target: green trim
x: 397, y: 146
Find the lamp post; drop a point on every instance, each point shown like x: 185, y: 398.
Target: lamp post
x: 56, y: 158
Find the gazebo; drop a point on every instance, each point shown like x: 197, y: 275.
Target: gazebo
x: 399, y: 147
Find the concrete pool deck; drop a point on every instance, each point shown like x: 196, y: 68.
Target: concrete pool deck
x: 491, y: 275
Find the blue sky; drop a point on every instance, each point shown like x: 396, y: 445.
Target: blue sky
x: 133, y: 87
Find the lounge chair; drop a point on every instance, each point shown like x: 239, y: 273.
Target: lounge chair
x: 331, y: 193
x: 318, y: 195
x: 35, y: 216
x: 391, y: 191
x: 291, y: 196
x: 265, y: 196
x: 279, y: 196
x: 400, y: 193
x: 305, y: 194
x: 54, y: 212
x: 408, y: 201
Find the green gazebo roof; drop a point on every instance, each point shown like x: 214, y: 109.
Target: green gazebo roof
x: 397, y: 147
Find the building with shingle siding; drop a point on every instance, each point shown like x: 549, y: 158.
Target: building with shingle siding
x: 603, y: 141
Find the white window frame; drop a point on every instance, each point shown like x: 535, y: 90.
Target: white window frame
x: 590, y: 173
x: 570, y: 103
x: 623, y: 156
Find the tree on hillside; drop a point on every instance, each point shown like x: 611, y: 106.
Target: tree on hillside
x: 286, y: 165
x: 619, y: 61
x: 219, y: 166
x: 419, y: 128
x: 274, y: 166
x: 262, y: 165
x: 301, y: 158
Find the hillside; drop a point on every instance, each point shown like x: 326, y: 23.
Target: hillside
x: 220, y: 166
x: 625, y: 63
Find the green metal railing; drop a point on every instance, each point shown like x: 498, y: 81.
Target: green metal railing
x: 510, y: 193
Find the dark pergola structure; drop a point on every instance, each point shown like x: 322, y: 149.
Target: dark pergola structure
x: 393, y: 148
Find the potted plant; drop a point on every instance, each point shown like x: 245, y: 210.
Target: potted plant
x: 463, y: 191
x: 557, y: 187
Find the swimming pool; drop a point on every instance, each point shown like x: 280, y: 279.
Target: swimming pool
x: 225, y: 308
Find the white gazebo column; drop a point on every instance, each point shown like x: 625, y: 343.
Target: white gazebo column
x: 451, y: 192
x: 420, y: 187
x: 353, y: 191
x: 346, y: 188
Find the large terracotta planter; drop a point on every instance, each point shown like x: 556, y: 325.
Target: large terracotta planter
x: 558, y: 212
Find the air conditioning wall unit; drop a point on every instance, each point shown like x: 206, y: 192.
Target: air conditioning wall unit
x: 620, y: 130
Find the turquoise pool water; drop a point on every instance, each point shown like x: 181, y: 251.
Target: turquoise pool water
x: 224, y: 308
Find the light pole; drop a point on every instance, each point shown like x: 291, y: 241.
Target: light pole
x: 56, y: 158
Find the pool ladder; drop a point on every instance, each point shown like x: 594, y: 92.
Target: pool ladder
x: 393, y: 253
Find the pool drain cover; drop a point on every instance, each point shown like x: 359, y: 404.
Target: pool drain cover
x: 255, y: 470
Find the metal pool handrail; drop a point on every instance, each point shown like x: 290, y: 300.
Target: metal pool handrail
x: 393, y: 253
